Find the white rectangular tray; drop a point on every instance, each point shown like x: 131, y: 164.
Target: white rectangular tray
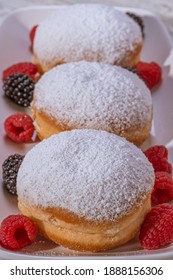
x: 14, y: 47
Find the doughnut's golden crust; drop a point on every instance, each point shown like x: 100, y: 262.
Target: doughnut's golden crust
x: 46, y: 126
x: 69, y: 230
x: 131, y: 58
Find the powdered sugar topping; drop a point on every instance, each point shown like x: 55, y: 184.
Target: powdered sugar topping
x: 95, y: 174
x: 91, y: 32
x: 94, y: 95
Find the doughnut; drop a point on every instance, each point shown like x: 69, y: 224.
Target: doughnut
x: 91, y: 32
x: 92, y: 95
x: 87, y: 190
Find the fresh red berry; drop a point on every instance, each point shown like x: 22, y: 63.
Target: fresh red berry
x: 163, y: 188
x: 158, y: 155
x: 32, y: 34
x: 26, y: 68
x: 162, y: 165
x: 157, y: 229
x: 19, y: 127
x: 17, y: 232
x: 150, y: 73
x: 158, y: 150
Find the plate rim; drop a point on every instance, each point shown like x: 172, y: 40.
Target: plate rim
x: 144, y: 256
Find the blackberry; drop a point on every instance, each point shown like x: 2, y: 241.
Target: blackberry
x: 132, y: 69
x: 138, y: 20
x: 19, y: 88
x: 10, y: 169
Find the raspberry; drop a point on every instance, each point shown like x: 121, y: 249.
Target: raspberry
x: 10, y: 169
x: 26, y: 68
x: 158, y: 150
x: 138, y: 20
x: 157, y: 229
x: 19, y: 127
x: 161, y: 165
x: 150, y: 73
x: 17, y: 232
x: 158, y: 155
x: 32, y: 34
x: 19, y: 88
x: 163, y: 188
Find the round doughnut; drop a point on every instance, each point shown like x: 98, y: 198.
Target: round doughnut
x: 92, y: 95
x: 89, y: 32
x: 86, y: 189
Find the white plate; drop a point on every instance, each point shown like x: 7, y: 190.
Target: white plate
x: 14, y: 48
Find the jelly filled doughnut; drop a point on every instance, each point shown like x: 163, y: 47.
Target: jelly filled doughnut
x: 91, y: 32
x: 86, y: 189
x: 92, y: 95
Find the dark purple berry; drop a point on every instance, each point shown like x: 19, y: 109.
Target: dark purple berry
x: 10, y: 169
x: 19, y: 88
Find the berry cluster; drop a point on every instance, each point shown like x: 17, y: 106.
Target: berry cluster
x: 18, y: 231
x: 163, y: 187
x: 19, y: 128
x: 157, y: 229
